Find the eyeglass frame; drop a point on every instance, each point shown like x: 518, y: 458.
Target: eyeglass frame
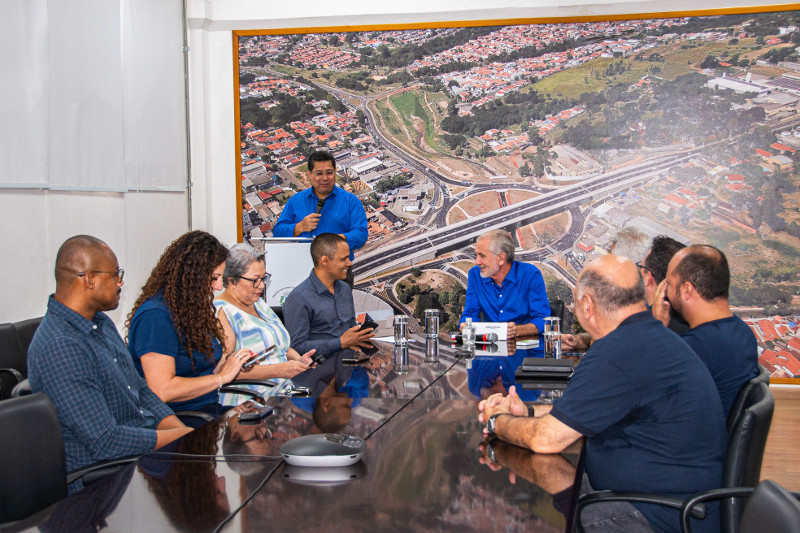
x: 118, y: 273
x: 639, y: 265
x: 320, y: 173
x: 264, y: 280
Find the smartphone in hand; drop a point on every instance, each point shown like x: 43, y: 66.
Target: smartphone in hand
x: 258, y: 358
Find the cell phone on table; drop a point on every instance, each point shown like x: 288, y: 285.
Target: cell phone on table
x: 258, y: 358
x: 255, y: 414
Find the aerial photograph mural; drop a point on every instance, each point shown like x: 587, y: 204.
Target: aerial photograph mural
x: 559, y: 133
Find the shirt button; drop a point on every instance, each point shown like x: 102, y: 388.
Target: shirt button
x: 501, y: 310
x: 94, y: 326
x: 129, y: 387
x: 501, y: 296
x: 140, y: 411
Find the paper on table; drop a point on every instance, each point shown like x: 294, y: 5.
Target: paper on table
x: 499, y: 328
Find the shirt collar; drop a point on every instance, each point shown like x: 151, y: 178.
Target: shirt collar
x: 73, y: 318
x: 641, y: 316
x: 511, y: 277
x: 311, y: 194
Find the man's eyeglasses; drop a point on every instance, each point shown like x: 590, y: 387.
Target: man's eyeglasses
x: 118, y: 273
x: 320, y: 173
x: 256, y: 281
x: 643, y: 267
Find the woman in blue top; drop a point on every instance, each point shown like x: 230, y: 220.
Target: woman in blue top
x: 174, y: 338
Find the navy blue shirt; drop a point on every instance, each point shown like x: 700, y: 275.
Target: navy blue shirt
x: 521, y: 299
x: 342, y: 213
x: 152, y: 330
x: 316, y: 318
x: 104, y: 407
x: 651, y: 415
x: 729, y: 350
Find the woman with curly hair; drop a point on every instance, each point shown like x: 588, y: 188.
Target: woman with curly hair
x: 173, y: 335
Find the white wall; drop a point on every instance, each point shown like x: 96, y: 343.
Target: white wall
x: 92, y: 138
x: 211, y: 81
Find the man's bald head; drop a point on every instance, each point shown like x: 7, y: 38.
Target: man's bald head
x: 614, y: 283
x: 79, y: 254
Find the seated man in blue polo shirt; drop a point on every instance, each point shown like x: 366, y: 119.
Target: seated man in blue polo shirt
x: 79, y: 360
x: 645, y: 402
x: 324, y: 208
x: 500, y: 289
x: 697, y: 284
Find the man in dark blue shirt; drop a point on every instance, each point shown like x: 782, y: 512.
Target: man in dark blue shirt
x: 697, y: 284
x: 79, y: 360
x: 319, y: 313
x: 324, y: 207
x: 644, y: 401
x: 500, y: 289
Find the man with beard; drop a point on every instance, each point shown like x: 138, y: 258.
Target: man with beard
x: 79, y: 360
x: 500, y: 289
x: 697, y: 283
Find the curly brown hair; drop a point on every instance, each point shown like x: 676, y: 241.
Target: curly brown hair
x: 183, y: 276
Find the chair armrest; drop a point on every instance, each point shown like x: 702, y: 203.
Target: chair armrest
x: 95, y: 471
x: 244, y: 392
x: 205, y: 417
x: 605, y: 496
x: 16, y: 374
x: 709, y: 495
x: 250, y: 382
x: 23, y: 388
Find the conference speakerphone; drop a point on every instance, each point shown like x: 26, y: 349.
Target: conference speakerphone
x: 327, y: 449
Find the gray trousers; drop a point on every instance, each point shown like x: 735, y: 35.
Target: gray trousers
x: 611, y: 517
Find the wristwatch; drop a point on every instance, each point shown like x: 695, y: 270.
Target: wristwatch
x: 491, y: 423
x: 490, y: 450
x: 530, y: 410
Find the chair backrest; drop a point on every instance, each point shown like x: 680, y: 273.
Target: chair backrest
x: 746, y: 442
x: 32, y: 464
x: 770, y: 508
x: 738, y: 404
x: 12, y: 360
x: 557, y: 309
x: 15, y: 338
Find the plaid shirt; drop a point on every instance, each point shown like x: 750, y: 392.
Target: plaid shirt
x: 104, y: 407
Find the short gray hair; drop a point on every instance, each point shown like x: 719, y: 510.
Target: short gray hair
x: 500, y: 241
x: 608, y: 295
x: 240, y: 257
x: 632, y: 243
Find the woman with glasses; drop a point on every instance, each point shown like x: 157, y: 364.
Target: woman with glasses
x: 173, y: 334
x: 248, y: 322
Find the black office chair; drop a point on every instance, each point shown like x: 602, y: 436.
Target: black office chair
x: 15, y: 338
x: 32, y: 463
x: 769, y: 508
x: 738, y: 404
x: 742, y: 468
x: 12, y: 360
x: 278, y: 310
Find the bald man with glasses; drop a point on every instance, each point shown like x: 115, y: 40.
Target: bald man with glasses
x: 79, y: 360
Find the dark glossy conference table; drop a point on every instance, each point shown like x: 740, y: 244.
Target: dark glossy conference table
x: 423, y: 469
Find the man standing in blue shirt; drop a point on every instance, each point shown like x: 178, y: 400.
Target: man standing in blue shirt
x: 697, y: 284
x: 79, y: 360
x: 324, y: 208
x: 504, y: 290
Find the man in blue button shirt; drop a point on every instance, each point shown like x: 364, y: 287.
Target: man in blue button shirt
x: 324, y: 208
x: 504, y: 290
x: 79, y: 360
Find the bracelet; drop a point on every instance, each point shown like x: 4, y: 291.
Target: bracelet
x: 530, y: 410
x: 220, y: 384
